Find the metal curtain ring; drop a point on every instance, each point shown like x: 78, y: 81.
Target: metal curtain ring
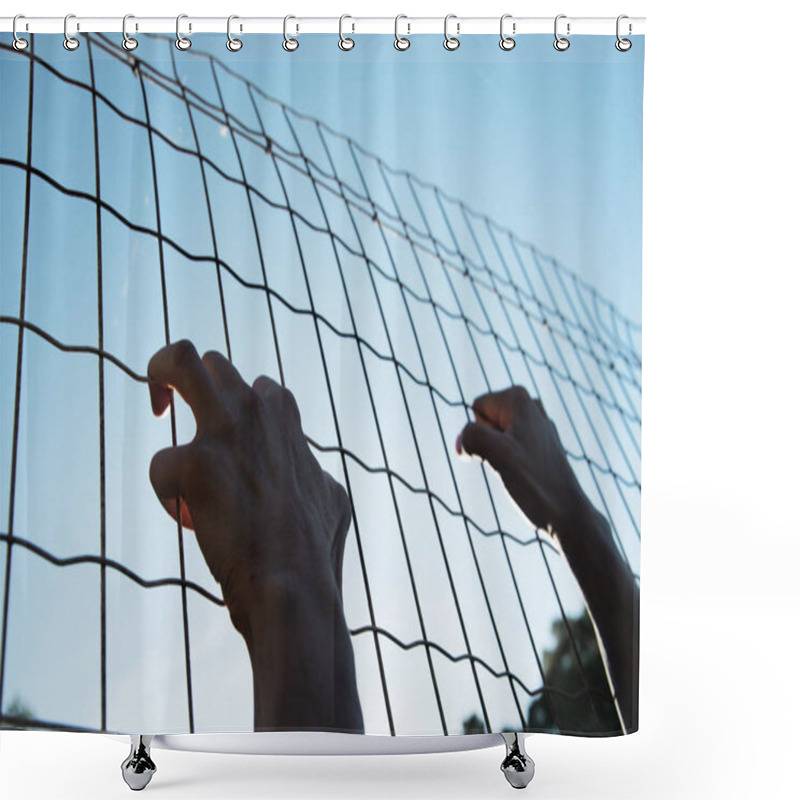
x: 623, y: 45
x: 128, y: 42
x: 289, y: 44
x: 561, y: 43
x: 181, y: 42
x: 20, y: 44
x: 345, y: 43
x: 233, y: 44
x: 70, y: 42
x: 507, y: 42
x: 451, y: 42
x: 400, y: 42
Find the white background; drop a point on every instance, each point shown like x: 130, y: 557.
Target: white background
x: 720, y: 696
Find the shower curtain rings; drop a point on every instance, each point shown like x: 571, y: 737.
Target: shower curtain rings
x: 70, y: 42
x: 507, y: 42
x: 345, y: 43
x: 233, y: 44
x: 289, y: 44
x: 623, y: 45
x: 451, y: 42
x: 128, y: 42
x: 20, y: 44
x: 561, y: 43
x: 400, y: 42
x: 181, y: 42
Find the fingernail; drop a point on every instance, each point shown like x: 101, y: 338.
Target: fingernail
x: 159, y: 399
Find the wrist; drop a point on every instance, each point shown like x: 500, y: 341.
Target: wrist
x: 575, y: 513
x: 302, y: 658
x: 263, y: 600
x: 587, y: 542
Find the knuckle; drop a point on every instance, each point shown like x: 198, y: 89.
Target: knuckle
x: 211, y: 356
x: 184, y: 352
x: 520, y: 400
x: 288, y: 404
x: 262, y: 385
x: 519, y: 394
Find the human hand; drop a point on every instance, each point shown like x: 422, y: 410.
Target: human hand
x: 514, y: 434
x: 263, y: 510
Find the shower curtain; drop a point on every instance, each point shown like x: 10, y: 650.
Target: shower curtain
x: 320, y: 385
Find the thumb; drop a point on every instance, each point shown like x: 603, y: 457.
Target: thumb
x: 167, y: 469
x: 480, y: 440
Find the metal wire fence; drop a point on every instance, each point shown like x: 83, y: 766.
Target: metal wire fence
x: 458, y: 305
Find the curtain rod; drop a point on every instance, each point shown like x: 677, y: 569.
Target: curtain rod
x: 407, y: 25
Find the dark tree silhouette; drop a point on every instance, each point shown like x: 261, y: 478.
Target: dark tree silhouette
x: 18, y: 712
x: 473, y: 724
x: 566, y: 705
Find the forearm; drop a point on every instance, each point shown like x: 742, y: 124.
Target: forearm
x: 302, y: 657
x: 612, y: 597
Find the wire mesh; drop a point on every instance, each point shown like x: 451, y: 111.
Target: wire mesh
x: 458, y: 305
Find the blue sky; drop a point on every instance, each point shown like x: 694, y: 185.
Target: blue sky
x: 547, y: 144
